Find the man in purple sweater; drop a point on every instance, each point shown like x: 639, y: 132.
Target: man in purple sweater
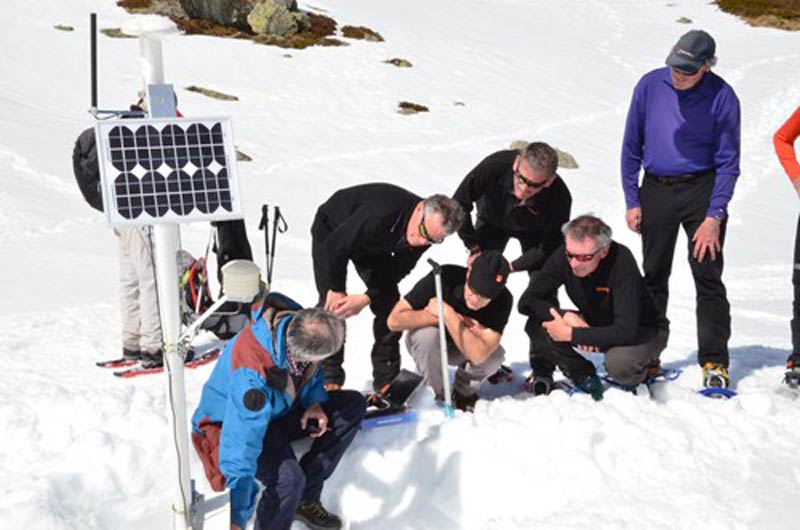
x: 683, y: 130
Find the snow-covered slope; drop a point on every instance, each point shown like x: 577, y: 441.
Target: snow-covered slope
x: 83, y: 450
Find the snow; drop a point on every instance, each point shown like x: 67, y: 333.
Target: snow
x: 82, y: 449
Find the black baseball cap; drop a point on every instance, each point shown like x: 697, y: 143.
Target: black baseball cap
x: 692, y: 51
x: 489, y: 274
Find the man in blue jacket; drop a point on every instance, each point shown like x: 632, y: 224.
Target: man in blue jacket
x: 265, y: 392
x: 683, y: 128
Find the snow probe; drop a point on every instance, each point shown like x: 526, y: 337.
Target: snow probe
x: 448, y: 400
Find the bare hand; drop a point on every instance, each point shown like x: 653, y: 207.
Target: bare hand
x: 235, y: 526
x: 706, y: 239
x: 315, y: 411
x: 474, y: 253
x: 574, y: 320
x: 350, y: 305
x: 587, y: 349
x: 634, y: 219
x: 332, y: 299
x: 557, y: 328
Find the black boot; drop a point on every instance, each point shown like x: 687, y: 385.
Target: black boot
x: 131, y: 355
x: 316, y: 517
x: 465, y: 403
x: 152, y: 360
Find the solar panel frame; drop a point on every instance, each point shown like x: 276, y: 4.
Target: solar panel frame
x: 168, y: 170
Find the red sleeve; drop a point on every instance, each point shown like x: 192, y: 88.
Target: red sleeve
x: 784, y: 145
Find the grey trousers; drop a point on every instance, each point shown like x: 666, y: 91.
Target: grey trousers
x: 423, y: 345
x: 138, y: 300
x: 627, y: 365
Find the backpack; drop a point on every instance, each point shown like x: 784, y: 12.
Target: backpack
x: 195, y: 297
x: 87, y: 170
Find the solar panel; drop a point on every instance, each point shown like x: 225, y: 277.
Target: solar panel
x: 168, y: 170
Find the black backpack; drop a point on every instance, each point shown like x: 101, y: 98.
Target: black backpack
x: 87, y: 170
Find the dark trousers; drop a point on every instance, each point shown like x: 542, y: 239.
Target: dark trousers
x: 286, y: 481
x: 493, y: 238
x: 626, y: 364
x: 665, y: 208
x: 384, y: 295
x: 795, y: 356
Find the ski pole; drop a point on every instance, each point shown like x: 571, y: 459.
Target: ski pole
x: 448, y: 401
x: 264, y: 225
x: 278, y: 226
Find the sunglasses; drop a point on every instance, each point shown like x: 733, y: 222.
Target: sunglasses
x: 583, y: 258
x: 686, y: 72
x: 423, y: 231
x: 528, y: 182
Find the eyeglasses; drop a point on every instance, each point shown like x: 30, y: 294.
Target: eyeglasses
x: 423, y: 231
x: 686, y: 73
x: 583, y: 258
x: 528, y: 182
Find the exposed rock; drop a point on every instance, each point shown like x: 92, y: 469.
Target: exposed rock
x: 684, y: 20
x: 360, y: 32
x: 63, y: 27
x: 211, y: 93
x: 406, y: 107
x: 116, y: 33
x: 400, y: 63
x: 232, y: 13
x: 242, y: 157
x: 566, y: 160
x: 459, y: 104
x: 272, y: 17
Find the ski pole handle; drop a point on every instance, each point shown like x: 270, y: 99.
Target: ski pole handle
x: 437, y: 269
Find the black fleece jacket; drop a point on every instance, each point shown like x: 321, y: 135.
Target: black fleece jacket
x: 367, y: 224
x: 490, y: 185
x: 613, y: 299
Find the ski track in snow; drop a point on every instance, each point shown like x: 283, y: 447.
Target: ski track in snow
x: 83, y: 449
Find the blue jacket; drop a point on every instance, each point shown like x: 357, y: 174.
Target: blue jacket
x: 674, y: 132
x: 238, y: 395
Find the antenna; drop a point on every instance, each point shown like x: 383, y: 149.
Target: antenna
x: 93, y: 110
x: 93, y: 53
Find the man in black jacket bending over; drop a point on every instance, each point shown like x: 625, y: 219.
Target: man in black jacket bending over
x: 616, y: 313
x: 518, y: 194
x: 383, y: 229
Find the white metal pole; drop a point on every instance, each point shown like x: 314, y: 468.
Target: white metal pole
x: 448, y: 400
x: 166, y: 248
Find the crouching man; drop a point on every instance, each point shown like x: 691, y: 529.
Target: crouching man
x: 476, y: 309
x: 265, y: 392
x: 616, y: 313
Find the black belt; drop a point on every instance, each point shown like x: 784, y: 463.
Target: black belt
x: 678, y: 179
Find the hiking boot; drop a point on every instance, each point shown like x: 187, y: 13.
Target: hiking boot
x: 715, y: 376
x: 316, y: 517
x: 152, y: 360
x: 792, y: 375
x: 131, y: 355
x: 538, y: 385
x: 465, y: 403
x: 592, y: 385
x: 502, y: 375
x: 653, y: 368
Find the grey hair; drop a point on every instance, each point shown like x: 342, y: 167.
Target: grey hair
x: 451, y: 211
x: 541, y: 158
x: 314, y: 334
x: 588, y: 226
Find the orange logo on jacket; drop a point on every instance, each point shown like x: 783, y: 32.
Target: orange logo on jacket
x: 603, y: 289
